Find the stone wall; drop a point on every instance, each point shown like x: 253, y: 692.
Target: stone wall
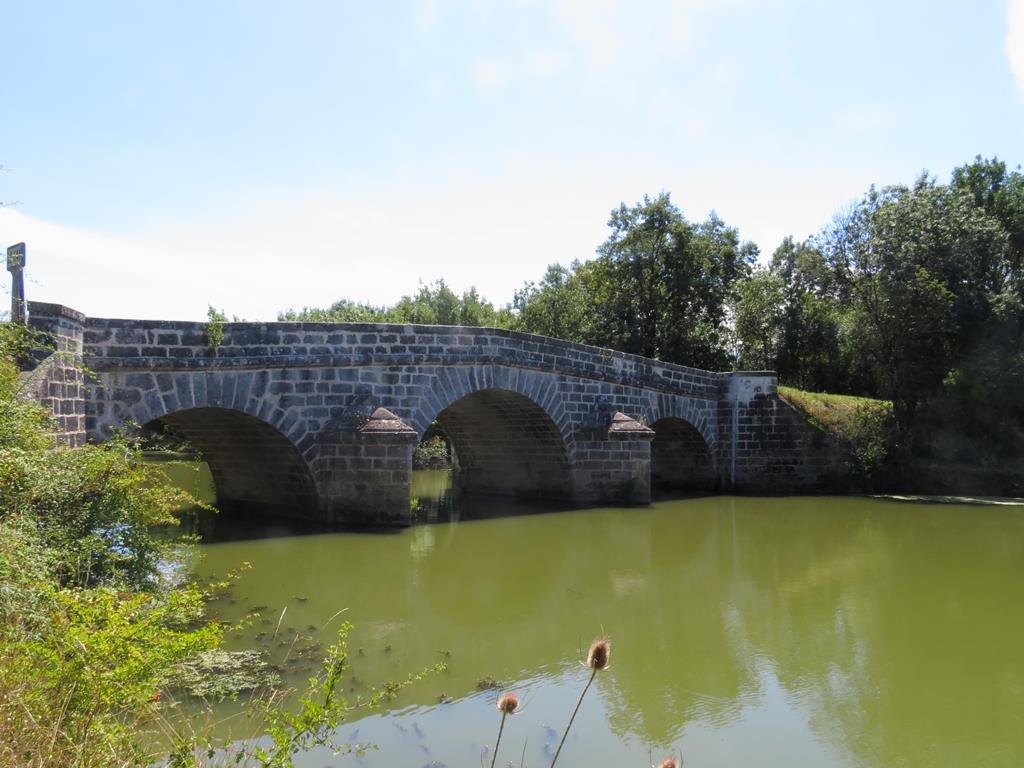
x: 517, y: 432
x: 56, y: 380
x: 363, y: 469
x: 612, y: 463
x: 775, y: 449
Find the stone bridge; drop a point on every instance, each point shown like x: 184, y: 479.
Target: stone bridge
x: 320, y: 420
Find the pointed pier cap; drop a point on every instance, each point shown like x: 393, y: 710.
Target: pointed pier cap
x: 623, y: 426
x: 384, y: 422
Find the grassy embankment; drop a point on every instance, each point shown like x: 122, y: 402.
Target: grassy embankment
x: 867, y: 426
x: 840, y: 415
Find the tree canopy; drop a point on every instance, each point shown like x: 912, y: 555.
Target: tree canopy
x: 434, y: 304
x: 914, y: 294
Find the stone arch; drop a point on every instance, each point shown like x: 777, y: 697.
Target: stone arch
x: 452, y: 384
x: 255, y: 468
x: 507, y: 429
x: 258, y: 451
x: 683, y: 451
x: 697, y: 412
x: 680, y: 457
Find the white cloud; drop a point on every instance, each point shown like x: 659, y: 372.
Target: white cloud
x: 494, y: 234
x: 427, y: 14
x: 595, y: 24
x: 94, y: 271
x: 542, y: 63
x: 615, y: 32
x: 1015, y: 40
x: 490, y: 72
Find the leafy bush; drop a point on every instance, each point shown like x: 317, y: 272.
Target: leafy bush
x: 214, y: 327
x: 432, y: 453
x: 92, y: 627
x: 866, y: 425
x: 88, y: 626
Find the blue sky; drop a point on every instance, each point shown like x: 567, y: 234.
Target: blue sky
x: 259, y: 156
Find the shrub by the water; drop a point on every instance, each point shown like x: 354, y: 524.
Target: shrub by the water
x: 88, y: 626
x: 94, y: 629
x: 432, y: 453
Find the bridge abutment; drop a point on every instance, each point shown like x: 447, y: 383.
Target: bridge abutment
x: 57, y: 380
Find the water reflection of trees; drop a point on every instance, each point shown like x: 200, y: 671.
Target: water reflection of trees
x: 894, y: 628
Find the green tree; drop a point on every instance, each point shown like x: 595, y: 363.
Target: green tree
x: 341, y: 311
x: 1000, y: 194
x: 812, y: 354
x: 433, y: 304
x: 559, y: 305
x: 918, y: 266
x: 661, y: 287
x: 759, y: 316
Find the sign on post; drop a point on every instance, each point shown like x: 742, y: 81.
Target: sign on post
x: 16, y: 266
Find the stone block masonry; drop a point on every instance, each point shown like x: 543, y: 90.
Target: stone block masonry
x: 57, y: 380
x: 320, y: 420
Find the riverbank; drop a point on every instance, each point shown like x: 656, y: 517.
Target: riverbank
x: 865, y: 426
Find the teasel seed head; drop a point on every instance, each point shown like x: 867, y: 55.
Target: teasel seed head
x: 508, y: 703
x: 597, y: 658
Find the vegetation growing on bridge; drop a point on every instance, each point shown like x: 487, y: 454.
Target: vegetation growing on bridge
x: 214, y: 327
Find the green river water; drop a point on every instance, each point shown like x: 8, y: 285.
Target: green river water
x: 797, y: 632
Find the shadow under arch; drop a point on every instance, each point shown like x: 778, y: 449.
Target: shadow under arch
x: 506, y: 444
x: 680, y: 457
x: 255, y: 468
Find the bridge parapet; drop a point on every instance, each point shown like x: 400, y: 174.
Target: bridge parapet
x: 115, y: 344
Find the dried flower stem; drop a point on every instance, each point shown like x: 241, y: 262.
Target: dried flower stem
x: 593, y: 674
x: 501, y: 727
x: 508, y: 704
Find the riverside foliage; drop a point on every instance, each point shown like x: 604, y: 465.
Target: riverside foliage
x: 88, y: 626
x: 94, y: 624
